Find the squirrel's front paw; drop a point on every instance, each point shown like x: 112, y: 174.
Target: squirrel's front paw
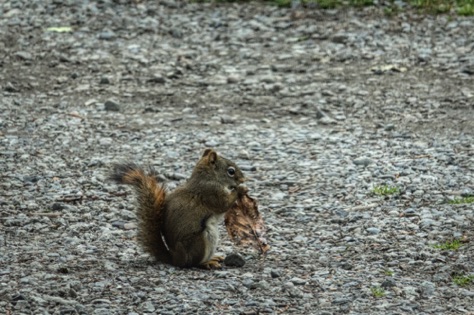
x: 242, y: 190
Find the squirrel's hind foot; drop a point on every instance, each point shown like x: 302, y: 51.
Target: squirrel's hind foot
x: 213, y: 263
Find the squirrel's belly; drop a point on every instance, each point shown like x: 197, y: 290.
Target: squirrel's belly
x: 211, y: 236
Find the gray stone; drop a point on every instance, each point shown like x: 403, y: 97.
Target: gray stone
x: 111, y: 106
x: 148, y: 306
x: 275, y: 273
x: 107, y: 35
x: 298, y: 281
x: 104, y: 80
x: 428, y: 289
x: 225, y: 119
x: 234, y: 260
x: 157, y: 78
x: 388, y: 283
x: 24, y: 55
x: 373, y: 230
x: 364, y: 161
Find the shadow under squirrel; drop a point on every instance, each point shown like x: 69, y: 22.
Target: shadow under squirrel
x: 188, y: 217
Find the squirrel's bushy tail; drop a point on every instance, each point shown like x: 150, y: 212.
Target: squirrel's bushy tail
x: 151, y: 199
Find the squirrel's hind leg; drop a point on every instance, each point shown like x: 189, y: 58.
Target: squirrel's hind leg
x: 191, y: 252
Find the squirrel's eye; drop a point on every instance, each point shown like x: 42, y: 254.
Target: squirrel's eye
x: 231, y: 171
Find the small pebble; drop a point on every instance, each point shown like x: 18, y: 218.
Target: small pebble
x: 111, y: 106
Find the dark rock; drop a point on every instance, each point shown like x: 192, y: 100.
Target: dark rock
x: 9, y: 87
x: 157, y: 79
x: 234, y: 260
x: 388, y: 283
x: 275, y: 273
x: 57, y: 206
x: 119, y: 224
x: 111, y: 106
x: 104, y: 80
x: 18, y: 297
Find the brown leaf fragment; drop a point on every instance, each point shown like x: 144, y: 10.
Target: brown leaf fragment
x: 245, y: 224
x: 293, y: 189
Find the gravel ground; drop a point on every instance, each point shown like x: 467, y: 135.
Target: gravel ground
x: 318, y: 107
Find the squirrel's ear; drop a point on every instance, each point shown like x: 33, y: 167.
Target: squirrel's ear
x: 211, y: 155
x: 206, y: 152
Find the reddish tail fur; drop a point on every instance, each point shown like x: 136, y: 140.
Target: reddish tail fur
x: 151, y: 198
